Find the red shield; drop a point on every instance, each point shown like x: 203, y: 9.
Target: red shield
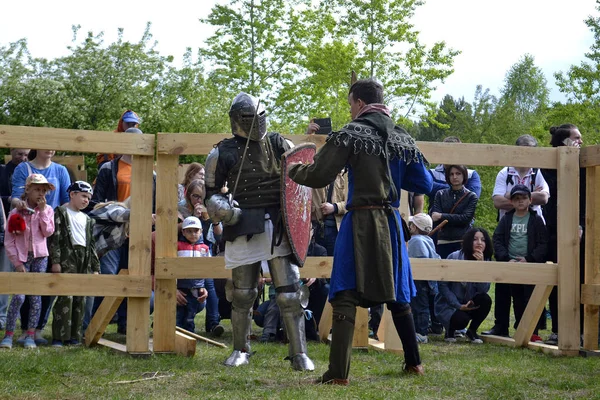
x: 296, y: 201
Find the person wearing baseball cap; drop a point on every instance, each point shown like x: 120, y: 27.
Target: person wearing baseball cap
x: 73, y: 251
x: 191, y: 293
x: 129, y: 119
x: 521, y: 237
x: 421, y: 245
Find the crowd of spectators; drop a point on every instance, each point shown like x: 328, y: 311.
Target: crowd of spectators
x: 524, y: 197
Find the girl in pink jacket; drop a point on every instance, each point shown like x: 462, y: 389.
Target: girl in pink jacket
x: 26, y: 248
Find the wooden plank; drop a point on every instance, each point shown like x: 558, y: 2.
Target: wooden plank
x: 568, y: 249
x: 74, y: 284
x: 326, y: 322
x: 121, y: 348
x: 361, y: 328
x: 103, y: 315
x: 441, y: 153
x: 590, y: 294
x: 185, y: 345
x: 391, y: 339
x: 592, y: 258
x: 101, y: 319
x: 531, y: 315
x: 489, y: 154
x: 138, y: 309
x: 546, y: 349
x: 203, y: 143
x: 423, y: 269
x: 380, y: 346
x: 589, y: 157
x: 165, y: 292
x: 498, y: 340
x: 75, y: 140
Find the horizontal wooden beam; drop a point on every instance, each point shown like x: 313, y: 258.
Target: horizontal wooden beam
x: 12, y: 136
x: 203, y: 143
x: 590, y: 294
x: 423, y: 269
x: 435, y: 152
x: 589, y: 156
x: 489, y: 154
x: 75, y: 284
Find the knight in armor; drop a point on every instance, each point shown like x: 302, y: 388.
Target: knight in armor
x: 249, y: 164
x: 370, y: 262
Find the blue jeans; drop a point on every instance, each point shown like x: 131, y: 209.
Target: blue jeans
x: 109, y: 265
x: 213, y: 318
x: 186, y: 314
x: 5, y: 266
x: 420, y: 305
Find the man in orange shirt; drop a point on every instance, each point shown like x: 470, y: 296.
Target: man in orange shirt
x: 129, y: 119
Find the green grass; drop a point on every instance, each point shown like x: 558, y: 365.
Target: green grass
x: 457, y: 371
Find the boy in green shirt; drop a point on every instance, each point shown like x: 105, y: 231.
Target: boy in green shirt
x: 521, y: 236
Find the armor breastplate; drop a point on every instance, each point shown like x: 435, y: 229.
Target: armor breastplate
x: 259, y: 183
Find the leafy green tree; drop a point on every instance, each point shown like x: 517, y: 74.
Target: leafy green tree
x: 250, y: 50
x: 390, y: 50
x: 523, y: 103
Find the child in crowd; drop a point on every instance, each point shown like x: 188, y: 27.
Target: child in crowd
x: 72, y: 250
x: 191, y: 294
x: 421, y: 245
x: 521, y: 236
x: 26, y: 247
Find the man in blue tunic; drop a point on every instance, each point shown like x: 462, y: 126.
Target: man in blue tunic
x: 370, y: 260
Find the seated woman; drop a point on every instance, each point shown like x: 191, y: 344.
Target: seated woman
x: 457, y: 303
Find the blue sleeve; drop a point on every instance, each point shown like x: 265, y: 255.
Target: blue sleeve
x: 18, y: 181
x: 65, y: 182
x: 417, y: 178
x: 474, y: 184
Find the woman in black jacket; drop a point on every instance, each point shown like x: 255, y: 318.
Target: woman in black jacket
x: 456, y: 205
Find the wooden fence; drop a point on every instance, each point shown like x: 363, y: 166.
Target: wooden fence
x: 169, y: 147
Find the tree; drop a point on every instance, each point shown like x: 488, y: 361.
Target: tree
x: 390, y: 51
x: 250, y: 50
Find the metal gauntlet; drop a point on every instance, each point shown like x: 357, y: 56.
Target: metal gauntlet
x: 223, y: 209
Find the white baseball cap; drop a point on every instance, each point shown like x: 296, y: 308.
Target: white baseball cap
x: 422, y: 221
x: 191, y: 222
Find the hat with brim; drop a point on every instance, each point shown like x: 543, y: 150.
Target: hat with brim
x: 38, y: 179
x: 191, y: 222
x: 422, y: 221
x: 130, y: 116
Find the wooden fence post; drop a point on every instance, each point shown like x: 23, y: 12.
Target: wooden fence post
x: 592, y: 255
x: 140, y: 230
x: 165, y: 290
x: 568, y: 250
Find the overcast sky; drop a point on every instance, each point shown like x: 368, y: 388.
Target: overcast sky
x: 492, y: 34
